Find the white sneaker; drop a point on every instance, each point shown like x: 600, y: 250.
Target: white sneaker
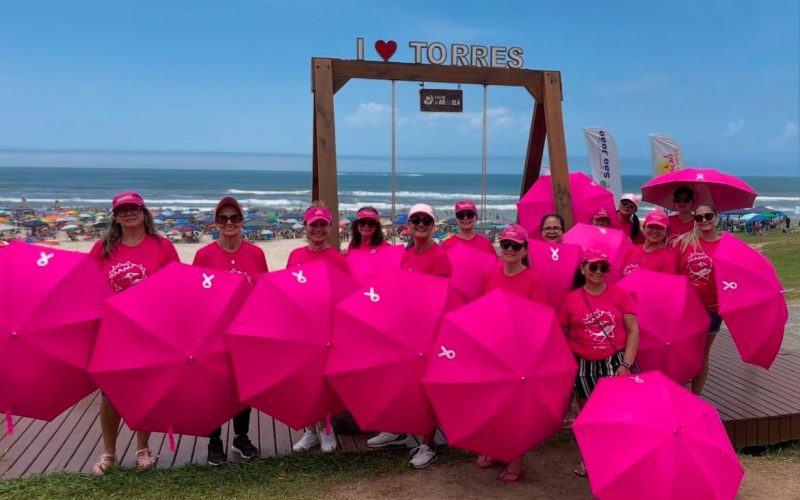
x: 308, y: 441
x: 387, y: 439
x: 423, y: 456
x: 327, y: 441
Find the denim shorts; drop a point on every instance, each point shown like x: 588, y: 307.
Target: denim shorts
x: 716, y: 323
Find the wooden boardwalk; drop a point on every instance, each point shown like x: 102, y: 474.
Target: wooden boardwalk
x: 756, y: 406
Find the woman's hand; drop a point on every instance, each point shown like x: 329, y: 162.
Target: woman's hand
x: 622, y: 371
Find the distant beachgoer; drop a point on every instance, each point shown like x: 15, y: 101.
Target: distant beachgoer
x: 552, y: 228
x: 787, y: 222
x: 695, y: 252
x: 653, y: 253
x: 683, y: 221
x: 626, y: 216
x: 601, y: 218
x: 317, y: 220
x: 129, y: 251
x: 232, y: 254
x: 466, y: 218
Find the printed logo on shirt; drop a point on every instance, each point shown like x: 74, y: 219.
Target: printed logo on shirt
x: 699, y: 266
x: 629, y: 269
x: 124, y: 274
x: 594, y: 324
x: 236, y: 271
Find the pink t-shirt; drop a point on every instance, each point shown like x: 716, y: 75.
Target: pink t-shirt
x: 127, y: 265
x: 248, y: 260
x: 303, y: 255
x: 433, y: 261
x: 661, y: 260
x: 627, y: 228
x: 478, y: 242
x: 698, y: 265
x: 586, y: 337
x: 525, y: 284
x: 677, y: 228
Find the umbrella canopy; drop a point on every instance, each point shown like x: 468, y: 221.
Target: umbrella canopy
x: 673, y: 323
x: 286, y: 325
x: 612, y: 241
x: 751, y: 300
x: 52, y: 300
x: 34, y: 223
x: 160, y: 355
x: 587, y: 198
x: 382, y: 336
x: 297, y: 226
x: 70, y: 227
x: 675, y: 446
x: 556, y: 265
x: 725, y: 191
x: 367, y: 263
x: 469, y: 264
x: 501, y: 375
x: 7, y: 227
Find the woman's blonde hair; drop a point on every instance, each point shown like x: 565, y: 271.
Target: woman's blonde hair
x: 113, y: 234
x: 692, y: 238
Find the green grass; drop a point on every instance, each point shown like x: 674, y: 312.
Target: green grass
x: 785, y: 452
x: 783, y: 250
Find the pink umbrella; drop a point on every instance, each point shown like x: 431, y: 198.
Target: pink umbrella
x: 673, y: 323
x: 645, y: 435
x: 281, y: 340
x: 612, y: 241
x: 160, y: 356
x: 751, y: 300
x: 725, y: 191
x: 468, y: 265
x: 556, y: 264
x: 52, y: 301
x: 587, y: 197
x: 382, y: 336
x: 368, y: 262
x: 501, y: 376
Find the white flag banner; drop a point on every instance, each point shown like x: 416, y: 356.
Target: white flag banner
x: 667, y: 156
x: 604, y: 160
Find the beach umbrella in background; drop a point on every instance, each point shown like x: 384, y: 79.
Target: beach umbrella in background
x: 556, y: 265
x: 401, y: 219
x: 382, y: 338
x: 286, y: 326
x: 291, y: 221
x: 160, y: 355
x: 675, y: 444
x: 34, y: 223
x: 613, y: 242
x: 366, y: 263
x: 468, y: 265
x: 673, y: 323
x: 52, y: 300
x: 725, y: 191
x: 501, y: 375
x: 7, y: 227
x: 751, y: 300
x: 587, y: 198
x: 70, y: 227
x: 297, y: 226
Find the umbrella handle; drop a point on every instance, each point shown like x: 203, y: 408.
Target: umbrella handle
x: 171, y: 440
x: 9, y: 423
x: 328, y: 423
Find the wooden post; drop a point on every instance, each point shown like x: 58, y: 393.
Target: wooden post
x: 533, y: 157
x: 324, y: 149
x: 557, y: 147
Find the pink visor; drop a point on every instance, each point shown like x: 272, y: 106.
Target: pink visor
x: 466, y: 205
x: 129, y: 198
x: 515, y: 233
x: 600, y: 214
x: 658, y: 218
x: 316, y: 213
x: 366, y: 213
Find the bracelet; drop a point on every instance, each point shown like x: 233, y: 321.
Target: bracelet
x: 626, y: 365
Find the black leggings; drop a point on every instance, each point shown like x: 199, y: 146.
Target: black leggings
x: 241, y: 425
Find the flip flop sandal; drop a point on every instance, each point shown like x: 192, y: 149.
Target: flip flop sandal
x: 107, y: 462
x: 485, y: 462
x: 144, y: 459
x: 580, y: 470
x: 508, y: 476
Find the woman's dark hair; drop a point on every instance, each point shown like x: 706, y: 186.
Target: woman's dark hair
x: 560, y: 221
x: 579, y: 279
x: 377, y: 236
x: 636, y: 227
x: 683, y: 191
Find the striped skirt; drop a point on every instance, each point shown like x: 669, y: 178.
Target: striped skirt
x: 589, y: 372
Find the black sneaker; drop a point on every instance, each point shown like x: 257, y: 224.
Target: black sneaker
x: 243, y: 446
x: 216, y: 452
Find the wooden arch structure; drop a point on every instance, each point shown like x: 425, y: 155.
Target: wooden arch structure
x: 330, y: 75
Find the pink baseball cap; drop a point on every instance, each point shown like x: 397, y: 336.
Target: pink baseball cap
x: 631, y: 198
x: 228, y: 201
x: 515, y: 233
x: 463, y: 205
x: 366, y: 213
x: 595, y: 255
x: 601, y: 213
x: 127, y: 198
x: 658, y: 218
x: 317, y: 212
x: 421, y: 208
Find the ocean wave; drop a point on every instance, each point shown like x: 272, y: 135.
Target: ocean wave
x: 779, y: 198
x: 430, y: 195
x: 262, y: 193
x: 402, y: 207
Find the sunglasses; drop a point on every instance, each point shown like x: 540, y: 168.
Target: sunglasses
x: 628, y: 204
x: 594, y: 267
x: 682, y: 199
x: 233, y: 219
x: 702, y: 217
x: 366, y: 223
x: 132, y: 210
x: 510, y: 245
x: 416, y: 220
x: 466, y: 214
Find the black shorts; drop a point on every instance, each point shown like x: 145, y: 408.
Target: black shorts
x: 590, y: 372
x: 716, y: 323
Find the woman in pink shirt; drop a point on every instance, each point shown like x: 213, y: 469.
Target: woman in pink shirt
x: 368, y: 234
x: 626, y: 216
x: 552, y: 228
x: 599, y: 320
x: 653, y: 254
x: 467, y: 217
x: 683, y: 221
x: 232, y: 254
x: 129, y: 251
x: 317, y: 220
x: 695, y: 252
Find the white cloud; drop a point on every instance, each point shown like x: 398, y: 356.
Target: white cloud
x: 735, y: 127
x: 500, y: 117
x: 370, y: 113
x: 789, y: 135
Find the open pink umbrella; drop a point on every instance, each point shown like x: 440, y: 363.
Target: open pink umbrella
x: 366, y: 263
x: 501, y: 375
x: 587, y: 198
x: 468, y: 265
x: 612, y: 241
x: 382, y: 339
x: 281, y: 340
x: 725, y: 191
x: 160, y: 356
x: 556, y: 264
x: 646, y: 436
x: 52, y: 301
x: 751, y: 300
x: 673, y: 323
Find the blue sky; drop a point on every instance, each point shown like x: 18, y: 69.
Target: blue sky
x: 719, y: 76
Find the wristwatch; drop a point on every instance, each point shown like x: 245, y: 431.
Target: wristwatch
x: 626, y: 365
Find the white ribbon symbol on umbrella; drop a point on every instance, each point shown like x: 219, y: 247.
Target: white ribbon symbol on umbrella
x: 554, y: 253
x: 300, y: 277
x: 603, y: 230
x: 729, y: 285
x: 374, y: 297
x: 447, y: 353
x: 700, y: 177
x: 207, y: 281
x: 636, y: 379
x: 45, y: 259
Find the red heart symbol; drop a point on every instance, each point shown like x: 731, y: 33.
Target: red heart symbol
x: 386, y: 49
